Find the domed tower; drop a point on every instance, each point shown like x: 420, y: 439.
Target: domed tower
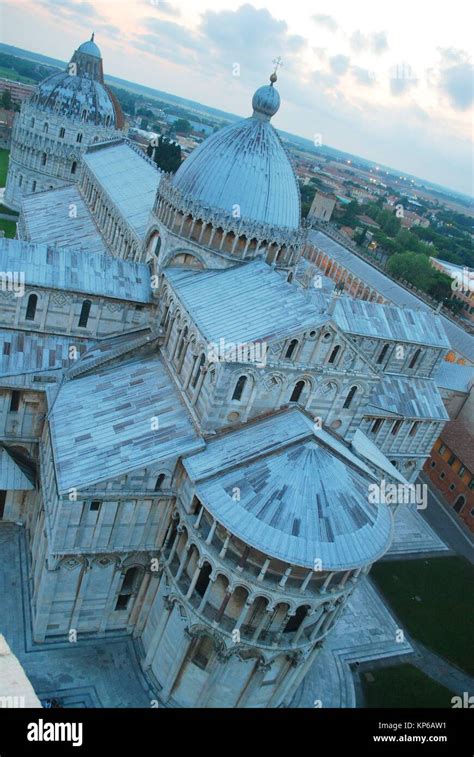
x: 68, y: 111
x: 235, y: 198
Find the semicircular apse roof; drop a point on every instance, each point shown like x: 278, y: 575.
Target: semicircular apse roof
x: 299, y: 505
x: 245, y: 169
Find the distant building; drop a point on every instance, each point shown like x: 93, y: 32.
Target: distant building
x: 368, y: 222
x: 410, y: 218
x: 322, y: 207
x: 6, y: 123
x: 18, y: 90
x: 463, y: 284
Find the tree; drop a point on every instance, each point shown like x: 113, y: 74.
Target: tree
x: 417, y: 270
x: 182, y: 125
x: 167, y: 155
x: 6, y: 101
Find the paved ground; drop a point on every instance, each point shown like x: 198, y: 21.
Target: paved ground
x: 443, y: 520
x: 365, y: 631
x: 89, y: 673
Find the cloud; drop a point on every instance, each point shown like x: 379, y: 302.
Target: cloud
x: 328, y: 22
x: 339, y: 64
x: 248, y: 36
x: 457, y: 83
x: 363, y: 76
x: 169, y: 9
x: 78, y: 9
x: 375, y: 42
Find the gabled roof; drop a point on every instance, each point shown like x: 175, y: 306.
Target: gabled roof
x: 101, y: 424
x: 299, y: 499
x: 246, y: 303
x: 454, y: 376
x: 76, y: 271
x: 410, y: 397
x: 389, y: 322
x: 60, y: 217
x: 129, y: 179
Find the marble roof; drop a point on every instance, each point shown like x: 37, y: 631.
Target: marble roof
x: 128, y: 178
x: 47, y: 217
x: 389, y: 322
x: 407, y: 396
x: 242, y: 304
x: 300, y: 500
x: 76, y: 271
x: 101, y: 424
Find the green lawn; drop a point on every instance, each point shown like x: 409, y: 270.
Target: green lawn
x: 9, y: 211
x: 9, y: 73
x: 9, y: 227
x: 403, y: 686
x: 434, y: 601
x: 4, y: 154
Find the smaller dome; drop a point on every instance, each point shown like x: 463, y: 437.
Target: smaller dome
x: 89, y: 48
x: 266, y: 101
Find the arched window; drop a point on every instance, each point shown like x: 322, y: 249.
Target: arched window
x: 43, y: 159
x: 350, y: 397
x: 85, y: 312
x: 79, y: 137
x: 130, y: 583
x: 291, y: 349
x: 31, y: 307
x: 157, y: 249
x: 203, y: 579
x: 73, y: 166
x: 383, y: 352
x: 414, y: 359
x: 460, y: 502
x: 62, y: 132
x: 239, y: 387
x: 197, y: 372
x: 334, y: 353
x: 296, y: 620
x: 32, y: 123
x: 182, y: 344
x: 159, y: 482
x: 45, y: 128
x: 297, y: 390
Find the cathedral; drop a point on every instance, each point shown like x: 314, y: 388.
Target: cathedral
x: 194, y: 419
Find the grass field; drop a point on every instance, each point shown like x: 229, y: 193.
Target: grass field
x: 9, y: 73
x: 4, y: 154
x: 403, y: 686
x: 9, y: 227
x: 434, y: 601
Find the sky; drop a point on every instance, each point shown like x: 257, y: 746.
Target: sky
x: 391, y: 82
